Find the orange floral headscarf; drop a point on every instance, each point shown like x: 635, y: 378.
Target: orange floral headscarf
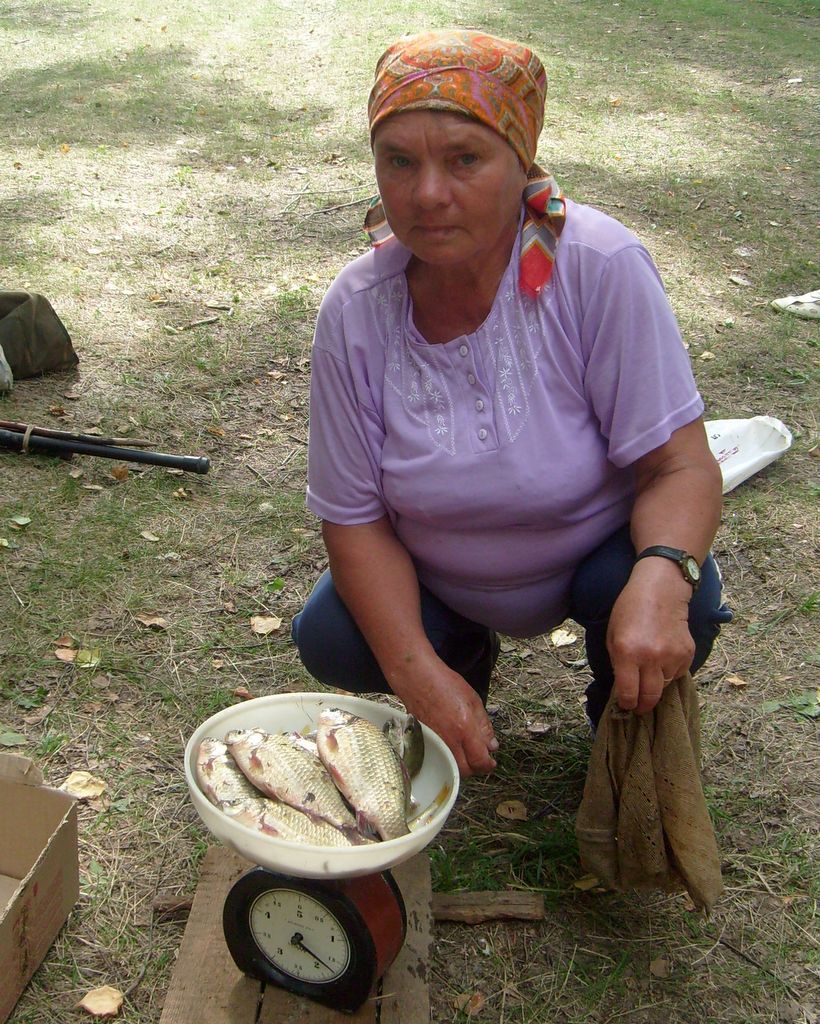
x: 500, y: 83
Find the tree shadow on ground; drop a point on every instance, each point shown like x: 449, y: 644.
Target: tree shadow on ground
x: 53, y: 16
x: 670, y: 40
x: 147, y: 95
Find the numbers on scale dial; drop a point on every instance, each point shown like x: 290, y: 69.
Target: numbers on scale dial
x: 299, y: 935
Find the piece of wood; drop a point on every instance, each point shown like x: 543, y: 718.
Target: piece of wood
x: 206, y: 984
x: 405, y: 993
x: 281, y: 1007
x: 475, y: 907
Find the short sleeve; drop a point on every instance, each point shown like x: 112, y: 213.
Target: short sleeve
x: 638, y: 377
x: 346, y: 436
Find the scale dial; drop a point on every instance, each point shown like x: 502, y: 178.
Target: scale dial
x: 299, y: 935
x: 327, y: 940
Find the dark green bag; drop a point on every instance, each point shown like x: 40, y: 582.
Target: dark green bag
x: 32, y: 336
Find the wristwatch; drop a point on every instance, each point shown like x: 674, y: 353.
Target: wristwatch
x: 688, y: 563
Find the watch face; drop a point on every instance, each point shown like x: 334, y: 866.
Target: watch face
x: 693, y: 569
x: 299, y: 935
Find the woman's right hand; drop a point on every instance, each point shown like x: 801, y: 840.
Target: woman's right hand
x: 446, y: 703
x: 375, y: 577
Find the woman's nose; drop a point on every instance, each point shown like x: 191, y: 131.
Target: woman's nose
x: 432, y: 188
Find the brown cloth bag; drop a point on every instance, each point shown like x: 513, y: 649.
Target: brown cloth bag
x: 643, y: 821
x: 32, y: 336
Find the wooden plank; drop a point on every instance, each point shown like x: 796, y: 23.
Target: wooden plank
x: 475, y: 907
x: 206, y: 984
x: 280, y: 1007
x: 405, y: 997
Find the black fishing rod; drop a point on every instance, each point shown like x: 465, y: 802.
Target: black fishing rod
x: 29, y: 440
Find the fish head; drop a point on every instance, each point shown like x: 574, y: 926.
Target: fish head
x: 248, y: 737
x: 407, y: 739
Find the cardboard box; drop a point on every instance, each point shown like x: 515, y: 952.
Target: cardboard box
x: 39, y: 872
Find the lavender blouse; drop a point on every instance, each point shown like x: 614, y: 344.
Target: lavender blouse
x: 501, y: 457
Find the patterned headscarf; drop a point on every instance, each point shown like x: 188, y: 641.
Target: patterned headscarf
x: 500, y: 83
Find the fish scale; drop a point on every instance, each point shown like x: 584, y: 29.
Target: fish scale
x: 367, y: 771
x: 282, y: 769
x: 229, y: 790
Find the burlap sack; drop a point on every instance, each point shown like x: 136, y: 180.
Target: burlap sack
x: 32, y: 336
x: 643, y: 821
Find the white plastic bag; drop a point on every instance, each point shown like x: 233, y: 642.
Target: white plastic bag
x: 743, y: 447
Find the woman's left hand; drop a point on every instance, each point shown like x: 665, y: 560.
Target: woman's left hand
x: 648, y: 638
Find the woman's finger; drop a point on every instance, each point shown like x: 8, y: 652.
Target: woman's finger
x: 651, y: 688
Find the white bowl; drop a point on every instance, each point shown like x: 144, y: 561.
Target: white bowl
x: 294, y: 711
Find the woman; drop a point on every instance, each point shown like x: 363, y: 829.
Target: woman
x: 504, y: 425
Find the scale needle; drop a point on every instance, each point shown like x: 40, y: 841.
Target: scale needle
x: 296, y: 940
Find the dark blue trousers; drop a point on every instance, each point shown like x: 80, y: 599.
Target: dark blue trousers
x: 335, y: 653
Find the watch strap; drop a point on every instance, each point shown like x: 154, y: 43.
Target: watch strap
x: 677, y: 555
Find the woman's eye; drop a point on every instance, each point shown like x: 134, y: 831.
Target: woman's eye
x: 466, y: 159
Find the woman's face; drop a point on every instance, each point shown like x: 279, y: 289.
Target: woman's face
x: 451, y: 187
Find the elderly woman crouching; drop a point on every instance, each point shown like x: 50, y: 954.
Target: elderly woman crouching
x: 504, y: 425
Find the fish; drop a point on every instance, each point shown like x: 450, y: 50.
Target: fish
x: 367, y: 770
x: 283, y: 769
x: 407, y: 739
x: 227, y: 788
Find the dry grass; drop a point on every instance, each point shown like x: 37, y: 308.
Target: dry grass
x: 174, y: 166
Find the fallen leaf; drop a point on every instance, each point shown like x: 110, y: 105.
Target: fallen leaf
x: 84, y: 785
x: 217, y: 663
x: 243, y: 693
x: 737, y: 681
x: 19, y: 522
x: 65, y: 148
x: 4, y: 542
x: 152, y: 621
x: 706, y: 356
x: 181, y: 494
x: 65, y: 654
x: 39, y: 715
x: 265, y: 624
x: 94, y: 250
x: 216, y: 431
x: 88, y: 657
x: 147, y: 535
x: 75, y: 473
x: 93, y: 487
x: 102, y: 1002
x: 538, y: 728
x: 66, y: 640
x: 512, y: 810
x: 659, y: 968
x: 120, y: 473
x: 742, y: 282
x: 469, y: 1003
x: 12, y: 739
x: 562, y: 638
x: 58, y: 411
x: 587, y: 882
